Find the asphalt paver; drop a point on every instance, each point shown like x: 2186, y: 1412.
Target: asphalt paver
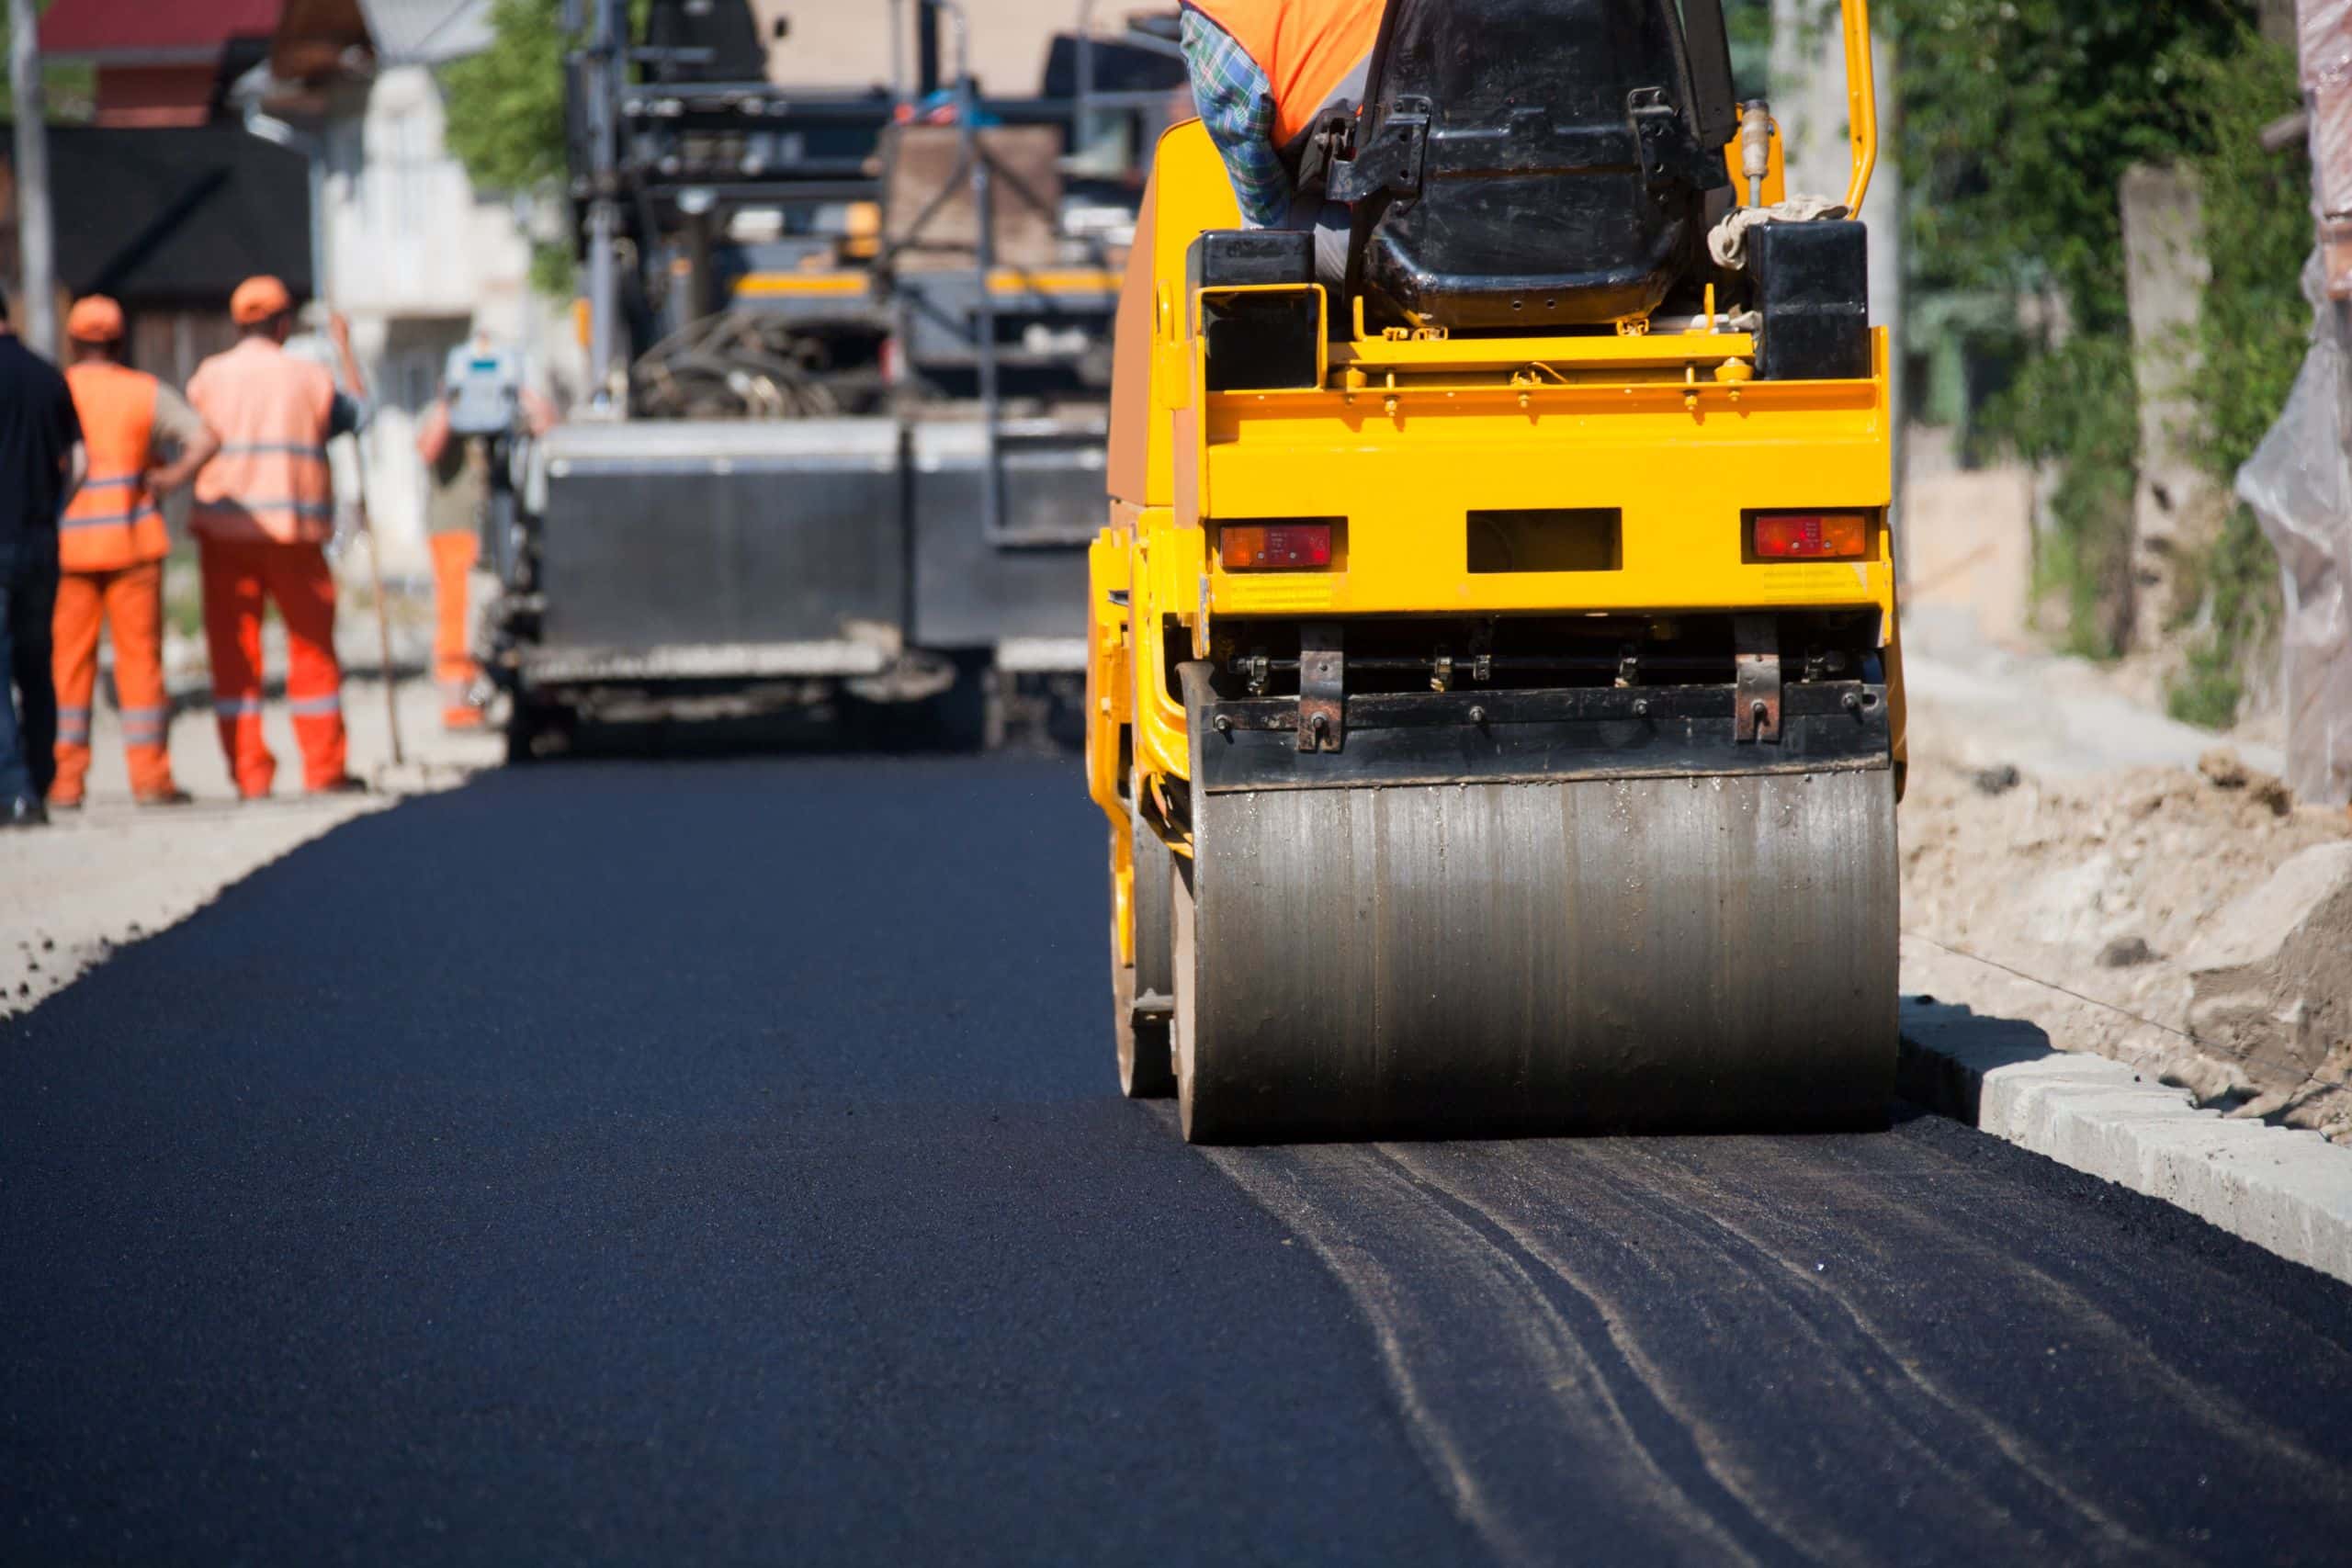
x: 722, y: 1162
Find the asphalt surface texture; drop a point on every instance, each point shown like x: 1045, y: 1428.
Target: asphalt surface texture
x: 721, y: 1161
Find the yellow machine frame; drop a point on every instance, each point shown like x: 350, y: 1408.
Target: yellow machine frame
x: 1403, y: 429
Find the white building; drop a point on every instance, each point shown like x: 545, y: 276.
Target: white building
x: 407, y: 249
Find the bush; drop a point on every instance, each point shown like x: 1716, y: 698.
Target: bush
x: 2020, y: 118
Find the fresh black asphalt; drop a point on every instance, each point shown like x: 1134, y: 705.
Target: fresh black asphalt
x: 721, y: 1162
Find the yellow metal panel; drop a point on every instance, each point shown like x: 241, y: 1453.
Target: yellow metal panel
x: 1109, y: 690
x: 1110, y: 679
x: 1607, y: 350
x: 1639, y: 424
x: 1167, y: 575
x: 1191, y: 194
x: 1065, y: 280
x: 1861, y: 102
x: 1684, y: 477
x: 835, y: 284
x: 804, y: 285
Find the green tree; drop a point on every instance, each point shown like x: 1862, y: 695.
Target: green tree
x: 506, y: 105
x: 2020, y: 118
x: 69, y: 91
x: 2253, y: 331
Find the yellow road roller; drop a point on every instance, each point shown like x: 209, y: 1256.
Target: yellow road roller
x: 1495, y: 688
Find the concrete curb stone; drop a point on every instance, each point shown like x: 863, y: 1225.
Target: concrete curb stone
x: 2287, y: 1191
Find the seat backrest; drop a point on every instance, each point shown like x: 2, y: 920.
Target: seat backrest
x: 1538, y: 162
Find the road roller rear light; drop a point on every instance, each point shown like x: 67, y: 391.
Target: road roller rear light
x: 1811, y: 536
x: 1274, y: 547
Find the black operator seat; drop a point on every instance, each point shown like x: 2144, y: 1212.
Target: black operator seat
x: 1528, y: 164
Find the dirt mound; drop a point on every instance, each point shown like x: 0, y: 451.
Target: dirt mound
x: 2195, y: 924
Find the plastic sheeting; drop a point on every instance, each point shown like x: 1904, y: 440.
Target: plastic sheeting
x: 2300, y: 485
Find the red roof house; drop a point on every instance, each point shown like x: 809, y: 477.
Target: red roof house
x: 160, y: 63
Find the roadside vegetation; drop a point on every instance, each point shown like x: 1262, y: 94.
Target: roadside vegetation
x: 506, y: 115
x: 2020, y: 118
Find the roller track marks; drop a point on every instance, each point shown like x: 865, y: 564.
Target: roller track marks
x: 2128, y: 1333
x: 1835, y: 1349
x: 1878, y: 1415
x: 1518, y: 1410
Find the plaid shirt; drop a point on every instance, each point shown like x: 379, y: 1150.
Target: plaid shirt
x: 1237, y: 103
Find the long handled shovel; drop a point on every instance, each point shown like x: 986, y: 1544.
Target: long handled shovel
x: 383, y: 607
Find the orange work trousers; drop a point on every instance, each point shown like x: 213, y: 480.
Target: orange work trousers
x: 453, y: 670
x: 130, y: 602
x: 238, y: 576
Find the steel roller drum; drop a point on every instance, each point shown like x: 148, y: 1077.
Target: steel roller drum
x: 1688, y: 954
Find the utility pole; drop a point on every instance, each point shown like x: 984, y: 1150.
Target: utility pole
x: 35, y: 230
x: 603, y: 62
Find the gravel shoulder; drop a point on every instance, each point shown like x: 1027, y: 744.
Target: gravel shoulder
x: 112, y: 872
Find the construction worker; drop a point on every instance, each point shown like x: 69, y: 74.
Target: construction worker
x: 1265, y: 75
x: 41, y: 465
x: 264, y: 513
x: 143, y: 441
x: 467, y: 442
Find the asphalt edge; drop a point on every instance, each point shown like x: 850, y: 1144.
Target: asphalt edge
x: 2287, y: 1191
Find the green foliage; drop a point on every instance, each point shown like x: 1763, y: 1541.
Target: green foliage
x: 2074, y: 407
x: 2253, y: 331
x: 1750, y: 23
x: 2255, y: 325
x: 2208, y: 689
x: 2020, y: 118
x: 69, y: 92
x: 555, y: 270
x: 505, y: 103
x: 506, y: 115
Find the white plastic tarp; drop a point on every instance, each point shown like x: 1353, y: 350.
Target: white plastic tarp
x: 2300, y: 485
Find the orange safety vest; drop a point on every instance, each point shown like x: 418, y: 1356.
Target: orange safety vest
x: 112, y: 522
x: 271, y: 481
x: 1313, y: 52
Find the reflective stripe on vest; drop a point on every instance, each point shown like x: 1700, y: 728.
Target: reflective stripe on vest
x: 1314, y: 52
x: 272, y: 480
x: 112, y: 522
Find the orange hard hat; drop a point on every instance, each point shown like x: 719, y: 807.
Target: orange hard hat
x: 96, y: 319
x: 257, y: 300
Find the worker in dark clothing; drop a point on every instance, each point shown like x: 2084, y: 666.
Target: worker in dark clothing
x: 41, y: 465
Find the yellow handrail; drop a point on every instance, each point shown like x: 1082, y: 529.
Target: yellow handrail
x: 1861, y: 101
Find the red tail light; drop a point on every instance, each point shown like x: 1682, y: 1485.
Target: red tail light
x: 1274, y: 547
x: 1811, y: 536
